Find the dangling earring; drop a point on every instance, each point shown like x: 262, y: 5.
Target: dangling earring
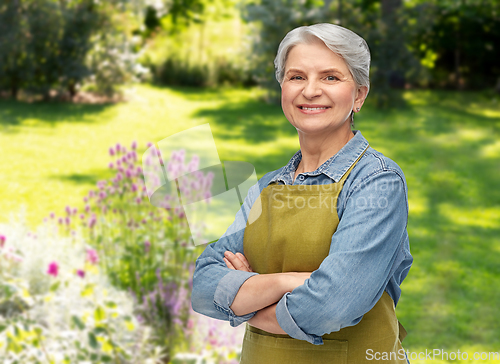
x: 352, y: 116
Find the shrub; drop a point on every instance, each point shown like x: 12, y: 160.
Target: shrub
x: 56, y: 306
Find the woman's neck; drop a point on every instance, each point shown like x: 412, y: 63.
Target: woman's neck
x: 317, y: 149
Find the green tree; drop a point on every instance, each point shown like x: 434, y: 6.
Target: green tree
x: 459, y: 43
x: 16, y: 61
x: 382, y: 24
x: 63, y: 44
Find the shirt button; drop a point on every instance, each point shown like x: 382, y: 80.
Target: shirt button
x: 301, y: 177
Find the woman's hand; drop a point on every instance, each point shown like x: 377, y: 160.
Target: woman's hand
x: 237, y: 261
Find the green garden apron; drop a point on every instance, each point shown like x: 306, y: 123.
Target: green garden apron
x: 293, y: 234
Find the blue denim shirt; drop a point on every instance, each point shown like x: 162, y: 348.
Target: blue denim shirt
x: 369, y: 251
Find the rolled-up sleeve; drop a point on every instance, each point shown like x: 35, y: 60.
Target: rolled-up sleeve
x: 365, y: 251
x: 214, y: 285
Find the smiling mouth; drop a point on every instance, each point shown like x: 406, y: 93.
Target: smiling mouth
x: 312, y: 108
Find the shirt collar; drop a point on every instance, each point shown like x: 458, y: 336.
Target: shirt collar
x: 334, y: 168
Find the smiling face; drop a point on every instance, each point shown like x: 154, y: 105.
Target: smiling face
x: 318, y: 92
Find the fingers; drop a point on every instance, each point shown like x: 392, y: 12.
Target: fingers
x: 236, y: 261
x: 244, y: 261
x: 228, y: 263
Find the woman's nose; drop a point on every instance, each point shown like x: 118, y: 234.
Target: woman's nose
x: 312, y: 89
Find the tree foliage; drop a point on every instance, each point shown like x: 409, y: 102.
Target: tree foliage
x: 413, y: 43
x: 64, y: 44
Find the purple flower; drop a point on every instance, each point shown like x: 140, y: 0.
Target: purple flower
x: 80, y: 273
x: 134, y: 187
x: 147, y: 246
x: 68, y: 210
x: 92, y: 256
x: 111, y: 151
x: 118, y: 147
x: 52, y: 215
x: 92, y: 221
x: 134, y: 144
x: 53, y: 269
x: 111, y: 165
x: 2, y: 240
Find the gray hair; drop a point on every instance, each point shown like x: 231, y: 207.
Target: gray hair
x: 347, y: 44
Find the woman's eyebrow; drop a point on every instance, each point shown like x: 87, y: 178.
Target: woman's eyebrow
x: 293, y: 70
x: 331, y: 70
x: 328, y: 70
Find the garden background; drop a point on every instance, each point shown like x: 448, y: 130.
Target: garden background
x: 92, y: 272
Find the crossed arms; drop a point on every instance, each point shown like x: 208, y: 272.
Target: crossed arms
x: 262, y: 292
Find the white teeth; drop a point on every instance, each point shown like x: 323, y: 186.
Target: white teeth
x: 313, y: 108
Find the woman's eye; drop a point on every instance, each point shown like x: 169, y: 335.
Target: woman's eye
x: 296, y: 78
x: 331, y: 78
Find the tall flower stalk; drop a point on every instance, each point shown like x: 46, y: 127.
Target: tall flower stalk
x: 144, y: 249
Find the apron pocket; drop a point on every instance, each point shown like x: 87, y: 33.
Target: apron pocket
x: 266, y: 349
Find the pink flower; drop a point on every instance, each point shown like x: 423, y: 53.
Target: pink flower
x: 2, y: 240
x: 80, y: 273
x: 134, y: 144
x: 92, y: 221
x: 53, y: 269
x: 111, y: 151
x: 92, y: 256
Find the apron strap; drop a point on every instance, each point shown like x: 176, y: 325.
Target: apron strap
x: 344, y: 176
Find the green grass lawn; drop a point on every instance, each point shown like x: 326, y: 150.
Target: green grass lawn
x: 447, y: 143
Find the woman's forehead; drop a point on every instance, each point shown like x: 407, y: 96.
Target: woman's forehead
x: 317, y: 56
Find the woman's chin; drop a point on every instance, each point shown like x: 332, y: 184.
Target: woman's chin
x: 320, y: 130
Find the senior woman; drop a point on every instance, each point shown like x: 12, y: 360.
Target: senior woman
x: 314, y: 260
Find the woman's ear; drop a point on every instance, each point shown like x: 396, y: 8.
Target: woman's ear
x: 362, y: 92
